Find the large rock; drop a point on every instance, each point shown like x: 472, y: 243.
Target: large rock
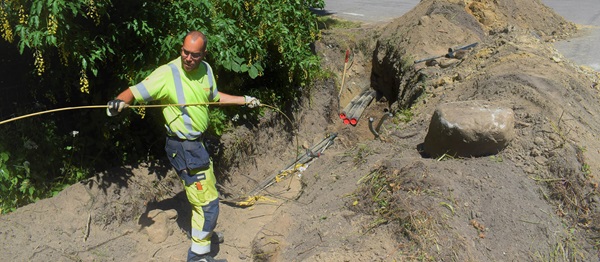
x: 469, y: 129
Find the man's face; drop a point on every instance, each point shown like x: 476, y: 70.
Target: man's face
x: 192, y: 53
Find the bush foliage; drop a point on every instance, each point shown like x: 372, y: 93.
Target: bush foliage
x: 87, y: 51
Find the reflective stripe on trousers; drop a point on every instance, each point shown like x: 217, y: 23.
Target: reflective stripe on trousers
x: 205, y: 213
x: 203, y: 226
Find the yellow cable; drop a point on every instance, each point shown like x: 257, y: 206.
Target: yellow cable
x: 105, y: 106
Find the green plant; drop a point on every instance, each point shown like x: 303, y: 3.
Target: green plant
x: 384, y: 194
x: 448, y: 205
x: 405, y: 115
x: 444, y: 157
x: 362, y: 151
x: 497, y: 158
x: 327, y: 22
x: 379, y: 185
x: 218, y: 122
x: 242, y: 35
x: 16, y: 187
x: 566, y: 249
x: 585, y: 168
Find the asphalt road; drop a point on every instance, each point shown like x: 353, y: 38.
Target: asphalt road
x: 369, y: 10
x: 582, y: 50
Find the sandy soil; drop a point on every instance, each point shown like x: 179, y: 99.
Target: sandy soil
x: 368, y: 199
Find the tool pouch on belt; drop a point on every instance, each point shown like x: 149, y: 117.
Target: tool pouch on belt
x: 186, y: 155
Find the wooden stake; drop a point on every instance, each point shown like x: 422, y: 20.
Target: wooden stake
x: 344, y: 73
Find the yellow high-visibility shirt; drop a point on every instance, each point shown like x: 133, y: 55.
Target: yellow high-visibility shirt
x: 170, y: 84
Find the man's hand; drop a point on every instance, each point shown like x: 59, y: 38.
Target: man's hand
x: 114, y: 107
x: 252, y: 102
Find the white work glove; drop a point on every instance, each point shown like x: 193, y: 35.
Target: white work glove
x: 252, y: 102
x: 114, y: 107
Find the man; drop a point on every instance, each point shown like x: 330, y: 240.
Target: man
x: 187, y: 80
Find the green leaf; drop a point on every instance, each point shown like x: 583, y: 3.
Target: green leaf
x: 52, y: 40
x: 238, y: 60
x: 4, y: 157
x: 4, y: 174
x: 235, y: 67
x: 36, y: 9
x: 227, y: 64
x: 253, y: 72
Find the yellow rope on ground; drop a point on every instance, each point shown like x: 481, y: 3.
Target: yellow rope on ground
x: 284, y: 173
x: 250, y: 201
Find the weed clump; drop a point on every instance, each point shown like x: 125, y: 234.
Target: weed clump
x: 403, y: 200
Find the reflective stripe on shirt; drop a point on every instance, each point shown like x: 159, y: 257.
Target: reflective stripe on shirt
x: 143, y: 91
x: 187, y: 120
x: 212, y: 94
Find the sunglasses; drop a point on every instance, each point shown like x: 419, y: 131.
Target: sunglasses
x: 194, y: 55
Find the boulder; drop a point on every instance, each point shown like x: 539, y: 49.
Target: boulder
x: 469, y: 129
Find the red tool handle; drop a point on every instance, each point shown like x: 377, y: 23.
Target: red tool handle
x: 347, y: 55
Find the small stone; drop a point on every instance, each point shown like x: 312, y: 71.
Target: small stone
x: 538, y: 141
x: 305, y: 145
x: 540, y: 160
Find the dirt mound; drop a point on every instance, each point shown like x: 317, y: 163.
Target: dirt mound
x: 367, y: 199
